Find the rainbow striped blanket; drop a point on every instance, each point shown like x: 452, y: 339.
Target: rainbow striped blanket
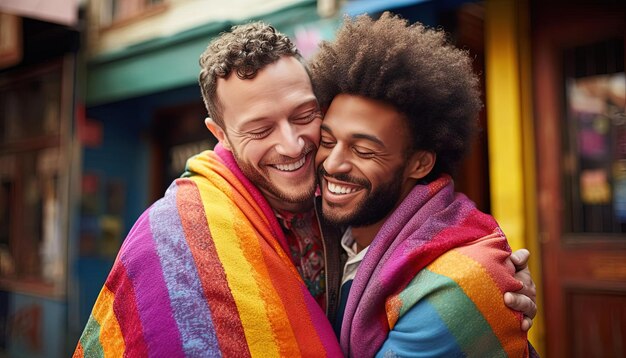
x: 205, y: 272
x: 432, y: 283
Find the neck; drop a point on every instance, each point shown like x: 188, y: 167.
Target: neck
x: 364, y: 235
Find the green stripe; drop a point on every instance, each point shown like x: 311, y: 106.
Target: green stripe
x: 473, y: 333
x: 90, y: 340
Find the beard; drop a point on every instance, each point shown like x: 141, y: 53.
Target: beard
x: 376, y: 204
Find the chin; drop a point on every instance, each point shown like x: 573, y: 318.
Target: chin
x: 298, y: 196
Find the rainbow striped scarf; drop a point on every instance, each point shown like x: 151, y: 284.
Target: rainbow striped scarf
x: 205, y: 272
x: 438, y: 247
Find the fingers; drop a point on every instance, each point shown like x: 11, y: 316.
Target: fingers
x: 519, y: 302
x: 522, y: 303
x: 524, y: 299
x: 528, y: 285
x: 520, y: 259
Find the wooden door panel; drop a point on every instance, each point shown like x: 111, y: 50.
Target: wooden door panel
x: 583, y: 249
x: 597, y: 322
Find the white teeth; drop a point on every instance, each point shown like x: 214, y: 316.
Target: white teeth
x: 291, y: 167
x: 338, y: 189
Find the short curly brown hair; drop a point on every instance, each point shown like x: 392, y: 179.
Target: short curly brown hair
x: 246, y: 49
x: 412, y: 68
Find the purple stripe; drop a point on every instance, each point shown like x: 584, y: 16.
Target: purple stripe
x: 189, y: 304
x: 153, y: 304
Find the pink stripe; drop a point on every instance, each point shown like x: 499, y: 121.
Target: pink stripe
x: 321, y: 324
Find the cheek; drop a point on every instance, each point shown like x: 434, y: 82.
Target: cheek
x: 251, y: 152
x: 376, y: 173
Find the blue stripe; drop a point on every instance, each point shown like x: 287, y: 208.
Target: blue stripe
x: 191, y: 310
x: 420, y: 332
x: 456, y: 310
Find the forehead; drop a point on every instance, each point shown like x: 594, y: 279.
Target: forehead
x: 352, y: 115
x: 277, y: 88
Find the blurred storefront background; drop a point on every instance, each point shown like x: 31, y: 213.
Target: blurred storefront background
x: 100, y: 108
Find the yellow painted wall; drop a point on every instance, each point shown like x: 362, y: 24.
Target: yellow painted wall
x: 511, y: 134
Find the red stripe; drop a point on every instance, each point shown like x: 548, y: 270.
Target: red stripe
x: 225, y: 316
x: 125, y: 309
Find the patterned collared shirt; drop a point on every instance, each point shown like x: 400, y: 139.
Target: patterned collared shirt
x: 305, y: 244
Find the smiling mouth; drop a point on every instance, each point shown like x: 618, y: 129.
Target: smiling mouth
x: 338, y: 189
x: 291, y: 167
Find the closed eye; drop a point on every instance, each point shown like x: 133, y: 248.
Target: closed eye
x: 308, y: 117
x: 363, y: 153
x: 327, y: 143
x: 258, y: 134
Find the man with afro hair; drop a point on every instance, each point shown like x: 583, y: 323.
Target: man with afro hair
x: 426, y: 270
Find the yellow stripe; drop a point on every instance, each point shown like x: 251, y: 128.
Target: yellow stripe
x: 242, y: 277
x: 483, y: 291
x: 277, y: 315
x: 111, y: 338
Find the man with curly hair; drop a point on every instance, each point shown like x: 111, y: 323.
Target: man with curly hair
x: 231, y: 261
x: 208, y: 270
x: 426, y: 270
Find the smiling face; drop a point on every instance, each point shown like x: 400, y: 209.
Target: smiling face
x: 363, y: 165
x: 272, y: 126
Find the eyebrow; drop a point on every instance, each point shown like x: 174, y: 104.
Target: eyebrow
x: 369, y: 137
x: 325, y: 127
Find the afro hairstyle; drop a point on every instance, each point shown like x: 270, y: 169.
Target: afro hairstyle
x: 414, y: 69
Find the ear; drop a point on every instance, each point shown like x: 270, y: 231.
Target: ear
x: 218, y: 132
x: 420, y: 164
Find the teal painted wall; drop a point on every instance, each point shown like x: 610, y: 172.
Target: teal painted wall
x: 172, y: 62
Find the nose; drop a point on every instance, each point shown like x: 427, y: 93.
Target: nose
x: 336, y: 161
x: 290, y: 143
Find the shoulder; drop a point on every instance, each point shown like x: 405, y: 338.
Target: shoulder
x: 156, y: 226
x: 456, y: 301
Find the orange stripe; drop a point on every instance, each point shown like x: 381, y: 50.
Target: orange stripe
x: 483, y: 291
x: 492, y: 253
x: 111, y: 337
x: 393, y: 305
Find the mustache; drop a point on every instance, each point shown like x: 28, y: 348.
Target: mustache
x: 347, y: 178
